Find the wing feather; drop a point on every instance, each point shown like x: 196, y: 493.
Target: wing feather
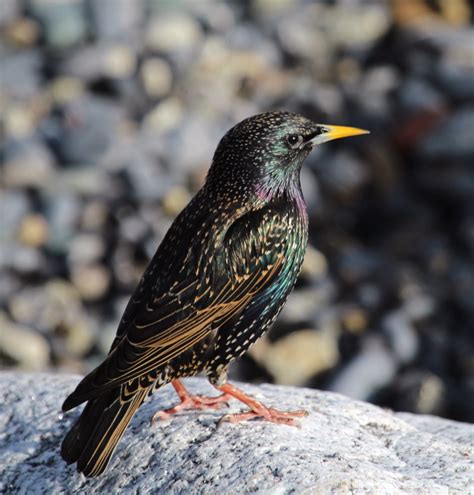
x: 195, y: 305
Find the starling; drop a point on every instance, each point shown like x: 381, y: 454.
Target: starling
x: 217, y: 281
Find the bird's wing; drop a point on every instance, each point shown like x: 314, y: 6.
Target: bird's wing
x: 206, y: 294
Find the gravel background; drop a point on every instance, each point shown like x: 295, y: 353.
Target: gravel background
x: 110, y: 113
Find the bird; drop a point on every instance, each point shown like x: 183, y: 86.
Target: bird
x: 216, y: 283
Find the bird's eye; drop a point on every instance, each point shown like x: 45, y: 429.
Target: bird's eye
x: 295, y: 140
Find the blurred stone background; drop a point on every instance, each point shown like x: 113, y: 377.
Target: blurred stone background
x: 111, y: 111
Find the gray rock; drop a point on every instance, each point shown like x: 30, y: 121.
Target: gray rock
x: 173, y: 32
x: 372, y: 90
x: 373, y: 368
x: 300, y: 355
x: 401, y: 335
x: 116, y: 19
x: 455, y: 81
x: 9, y: 283
x: 304, y: 304
x: 343, y: 173
x: 453, y: 138
x: 91, y: 280
x: 10, y: 9
x: 156, y: 76
x: 356, y: 264
x: 24, y: 260
x: 420, y: 391
x: 86, y: 248
x: 62, y: 211
x: 64, y: 22
x: 417, y: 95
x: 147, y: 177
x: 46, y: 307
x: 83, y: 129
x: 299, y: 36
x: 28, y: 163
x: 19, y: 76
x: 220, y: 18
x: 14, y: 205
x: 342, y: 447
x: 105, y: 60
x: 22, y: 345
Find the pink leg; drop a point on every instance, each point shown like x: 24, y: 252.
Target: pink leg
x: 257, y: 409
x: 189, y: 401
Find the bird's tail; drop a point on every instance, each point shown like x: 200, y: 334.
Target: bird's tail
x: 94, y: 437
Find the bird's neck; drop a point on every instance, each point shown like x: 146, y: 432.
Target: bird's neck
x: 268, y: 191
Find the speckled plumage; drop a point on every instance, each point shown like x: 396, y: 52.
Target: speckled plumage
x: 217, y: 281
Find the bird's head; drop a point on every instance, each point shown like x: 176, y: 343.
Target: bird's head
x: 266, y: 151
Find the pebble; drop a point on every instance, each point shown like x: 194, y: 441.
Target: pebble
x: 120, y: 62
x: 358, y: 26
x: 91, y: 280
x: 166, y: 116
x: 20, y: 75
x: 94, y: 215
x: 86, y: 248
x: 47, y: 307
x: 76, y: 339
x: 62, y: 213
x: 156, y: 76
x: 300, y: 355
x: 9, y: 282
x: 81, y: 131
x: 354, y: 319
x: 66, y: 89
x: 421, y: 392
x: 402, y: 336
x: 176, y: 200
x: 26, y: 260
x: 173, y: 32
x: 357, y: 264
x: 33, y: 231
x: 343, y: 173
x: 117, y: 19
x: 133, y: 228
x: 63, y: 22
x: 301, y: 36
x: 9, y: 12
x: 14, y: 206
x: 373, y: 368
x: 453, y: 138
x: 455, y: 81
x: 23, y: 346
x: 23, y: 32
x: 303, y: 305
x: 417, y: 95
x: 315, y: 265
x: 87, y: 181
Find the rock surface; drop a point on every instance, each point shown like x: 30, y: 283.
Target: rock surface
x: 343, y: 446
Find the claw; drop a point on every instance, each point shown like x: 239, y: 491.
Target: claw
x: 267, y: 414
x: 189, y: 402
x: 257, y: 410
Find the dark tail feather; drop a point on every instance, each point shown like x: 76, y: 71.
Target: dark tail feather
x: 78, y: 436
x: 93, y: 439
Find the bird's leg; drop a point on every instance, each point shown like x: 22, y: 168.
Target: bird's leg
x: 257, y: 409
x: 189, y: 401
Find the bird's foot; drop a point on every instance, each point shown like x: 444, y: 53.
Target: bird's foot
x: 257, y: 410
x: 189, y: 401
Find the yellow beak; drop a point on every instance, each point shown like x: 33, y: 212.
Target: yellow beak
x: 336, y: 132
